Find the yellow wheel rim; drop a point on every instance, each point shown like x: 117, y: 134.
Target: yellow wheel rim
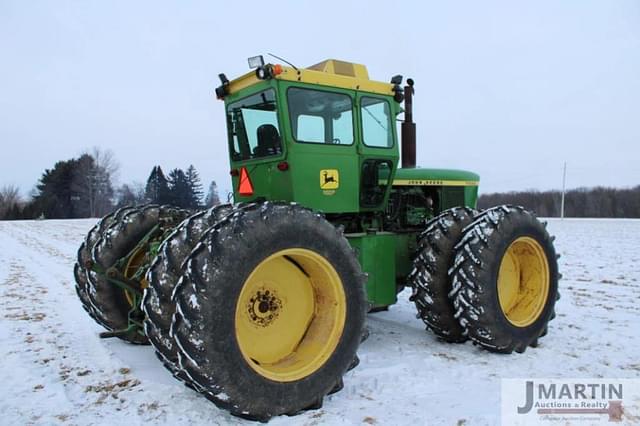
x: 134, y: 263
x: 290, y: 315
x: 523, y: 282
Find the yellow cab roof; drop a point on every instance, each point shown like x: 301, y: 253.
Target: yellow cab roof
x: 331, y: 73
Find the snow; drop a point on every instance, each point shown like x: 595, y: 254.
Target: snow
x: 55, y: 369
x: 193, y: 301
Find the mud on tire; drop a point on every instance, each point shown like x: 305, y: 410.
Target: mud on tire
x: 219, y: 271
x: 515, y: 235
x: 430, y: 279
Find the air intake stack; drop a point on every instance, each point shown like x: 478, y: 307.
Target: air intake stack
x: 408, y: 129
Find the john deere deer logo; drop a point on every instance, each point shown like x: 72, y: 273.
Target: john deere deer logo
x: 329, y: 179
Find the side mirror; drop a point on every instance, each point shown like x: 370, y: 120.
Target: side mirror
x: 398, y: 93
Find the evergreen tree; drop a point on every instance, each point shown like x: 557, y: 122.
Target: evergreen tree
x: 56, y: 198
x: 180, y: 189
x: 212, y: 198
x: 196, y: 187
x: 157, y: 189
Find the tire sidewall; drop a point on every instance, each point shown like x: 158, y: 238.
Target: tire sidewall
x: 237, y: 261
x: 502, y: 241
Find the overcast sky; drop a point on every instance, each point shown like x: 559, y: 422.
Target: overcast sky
x: 506, y: 89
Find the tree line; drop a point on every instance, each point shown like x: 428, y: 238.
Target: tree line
x: 84, y: 187
x: 598, y: 202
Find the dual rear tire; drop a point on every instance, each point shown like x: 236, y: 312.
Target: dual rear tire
x: 260, y: 307
x: 490, y: 277
x: 269, y: 311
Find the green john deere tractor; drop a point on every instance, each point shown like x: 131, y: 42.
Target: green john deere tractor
x: 260, y: 305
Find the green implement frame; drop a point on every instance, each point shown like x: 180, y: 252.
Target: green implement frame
x: 131, y: 283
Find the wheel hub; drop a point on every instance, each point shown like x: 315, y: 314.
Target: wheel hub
x: 264, y: 307
x: 290, y: 314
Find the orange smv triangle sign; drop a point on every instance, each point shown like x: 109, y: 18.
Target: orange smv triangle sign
x: 245, y: 187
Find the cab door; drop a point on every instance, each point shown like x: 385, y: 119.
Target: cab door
x: 256, y: 146
x: 377, y: 149
x: 323, y: 148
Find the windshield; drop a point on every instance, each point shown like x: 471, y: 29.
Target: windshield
x: 253, y: 128
x: 320, y: 117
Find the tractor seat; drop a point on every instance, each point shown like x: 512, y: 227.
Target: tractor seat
x: 268, y: 141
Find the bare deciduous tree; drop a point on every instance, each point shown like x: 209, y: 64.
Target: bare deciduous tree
x: 9, y: 200
x: 580, y: 202
x: 130, y: 195
x: 93, y: 181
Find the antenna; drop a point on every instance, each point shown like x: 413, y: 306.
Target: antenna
x: 283, y: 60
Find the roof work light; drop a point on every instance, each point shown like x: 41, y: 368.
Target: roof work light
x: 256, y: 61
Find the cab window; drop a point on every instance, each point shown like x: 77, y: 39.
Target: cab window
x: 320, y: 117
x: 253, y: 128
x: 376, y: 122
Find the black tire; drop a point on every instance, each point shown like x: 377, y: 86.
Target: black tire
x: 208, y: 293
x: 163, y: 275
x: 475, y: 279
x: 119, y: 239
x: 430, y: 279
x: 80, y: 271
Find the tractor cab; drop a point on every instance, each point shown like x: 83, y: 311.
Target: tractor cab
x: 323, y: 136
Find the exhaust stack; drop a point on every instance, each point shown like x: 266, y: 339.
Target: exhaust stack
x: 408, y: 129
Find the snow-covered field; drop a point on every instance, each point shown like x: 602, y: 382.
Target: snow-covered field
x: 55, y: 369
